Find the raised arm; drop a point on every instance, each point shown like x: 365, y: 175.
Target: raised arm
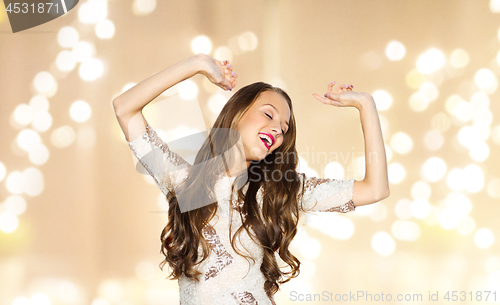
x: 128, y: 106
x: 375, y: 185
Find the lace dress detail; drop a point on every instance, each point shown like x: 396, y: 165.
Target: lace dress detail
x: 223, y: 257
x: 229, y: 278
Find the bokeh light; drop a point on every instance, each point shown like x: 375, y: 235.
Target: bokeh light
x: 3, y: 171
x: 39, y: 103
x: 495, y: 6
x: 441, y: 121
x: 418, y: 101
x: 383, y: 243
x: 62, y: 137
x: 42, y: 121
x: 430, y: 61
x: 468, y: 136
x: 310, y: 248
x: 414, y: 79
x: 83, y: 51
x: 459, y: 58
x: 91, y: 69
x: 188, y: 90
x: 92, y: 11
x: 430, y: 90
x: 405, y: 230
x: 474, y: 176
x: 143, y: 7
x: 67, y: 37
x: 395, y: 50
x: 485, y: 79
x: 456, y: 179
x: 433, y: 140
x: 111, y: 290
x: 14, y: 182
x: 479, y: 152
x: 463, y: 111
x: 420, y: 208
x: 421, y: 189
x: 33, y: 181
x: 466, y: 226
x: 201, y: 44
x: 334, y: 170
x: 223, y: 53
x: 248, y: 41
x: 383, y: 99
x: 484, y: 238
x: 105, y: 29
x: 80, y: 111
x: 27, y: 139
x: 23, y: 114
x: 433, y: 169
x: 44, y: 82
x: 8, y: 222
x: 401, y: 143
x: 396, y: 173
x: 216, y: 102
x: 493, y: 187
x: 15, y: 204
x: 378, y: 212
x: 66, y: 60
x: 39, y: 154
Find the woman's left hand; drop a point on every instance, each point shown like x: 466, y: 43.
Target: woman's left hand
x: 342, y: 96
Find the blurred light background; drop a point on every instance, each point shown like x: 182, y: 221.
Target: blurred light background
x: 79, y: 225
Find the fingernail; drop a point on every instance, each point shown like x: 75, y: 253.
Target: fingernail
x: 229, y: 89
x: 332, y: 82
x: 228, y: 65
x: 226, y: 61
x: 326, y: 95
x: 233, y: 74
x: 351, y: 86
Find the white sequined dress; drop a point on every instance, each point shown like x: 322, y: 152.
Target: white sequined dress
x: 229, y: 278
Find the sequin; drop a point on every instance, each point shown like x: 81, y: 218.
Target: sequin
x: 245, y: 298
x: 313, y: 182
x: 151, y: 136
x: 326, y: 195
x: 224, y: 259
x: 238, y: 206
x: 347, y: 207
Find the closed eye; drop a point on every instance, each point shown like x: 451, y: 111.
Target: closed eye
x: 271, y: 119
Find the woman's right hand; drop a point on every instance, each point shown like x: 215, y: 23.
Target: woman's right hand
x: 218, y: 72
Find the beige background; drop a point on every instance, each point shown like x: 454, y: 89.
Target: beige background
x: 92, y: 235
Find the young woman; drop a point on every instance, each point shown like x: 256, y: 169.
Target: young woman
x: 247, y: 167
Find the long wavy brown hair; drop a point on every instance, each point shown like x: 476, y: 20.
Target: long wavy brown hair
x: 273, y: 227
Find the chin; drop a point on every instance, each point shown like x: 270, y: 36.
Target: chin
x: 258, y: 154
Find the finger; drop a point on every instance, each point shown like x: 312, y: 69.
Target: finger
x: 330, y: 86
x: 227, y: 84
x: 328, y: 101
x: 323, y: 99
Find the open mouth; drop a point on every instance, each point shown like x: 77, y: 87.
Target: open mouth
x: 266, y: 139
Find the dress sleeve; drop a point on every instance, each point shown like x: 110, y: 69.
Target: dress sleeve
x: 326, y: 195
x: 165, y: 166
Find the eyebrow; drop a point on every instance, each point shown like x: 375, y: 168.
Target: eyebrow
x: 277, y: 111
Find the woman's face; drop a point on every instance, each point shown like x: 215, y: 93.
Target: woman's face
x: 268, y: 117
